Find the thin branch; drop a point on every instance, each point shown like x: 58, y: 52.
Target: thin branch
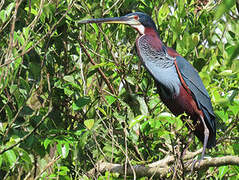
x: 13, y: 25
x: 9, y: 60
x: 47, y: 166
x: 31, y: 132
x: 99, y: 69
x: 108, y: 9
x: 35, y: 20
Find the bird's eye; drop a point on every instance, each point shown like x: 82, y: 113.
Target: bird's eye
x: 136, y: 17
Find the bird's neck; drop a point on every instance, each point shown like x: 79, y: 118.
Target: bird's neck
x: 157, y: 43
x: 151, y: 31
x: 153, y: 36
x: 142, y: 30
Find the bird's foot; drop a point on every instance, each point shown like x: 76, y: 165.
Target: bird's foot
x: 194, y: 164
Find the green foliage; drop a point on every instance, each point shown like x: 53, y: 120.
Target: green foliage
x: 58, y: 114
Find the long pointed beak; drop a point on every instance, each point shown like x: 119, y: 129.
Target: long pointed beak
x: 120, y: 20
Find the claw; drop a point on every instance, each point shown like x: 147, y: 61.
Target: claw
x: 194, y: 164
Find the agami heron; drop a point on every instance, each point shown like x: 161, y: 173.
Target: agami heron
x: 178, y: 83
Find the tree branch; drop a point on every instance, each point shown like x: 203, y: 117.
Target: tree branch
x: 99, y: 69
x: 161, y: 168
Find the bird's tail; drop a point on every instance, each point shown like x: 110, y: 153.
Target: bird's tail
x: 210, y: 122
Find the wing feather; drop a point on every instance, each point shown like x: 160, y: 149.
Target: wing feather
x: 195, y: 84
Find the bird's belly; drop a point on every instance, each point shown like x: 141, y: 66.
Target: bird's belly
x: 184, y: 103
x: 181, y: 103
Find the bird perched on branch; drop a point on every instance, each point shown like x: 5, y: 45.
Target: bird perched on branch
x: 178, y: 83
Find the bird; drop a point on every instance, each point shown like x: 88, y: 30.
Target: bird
x: 178, y: 83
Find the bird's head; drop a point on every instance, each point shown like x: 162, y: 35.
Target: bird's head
x: 137, y: 20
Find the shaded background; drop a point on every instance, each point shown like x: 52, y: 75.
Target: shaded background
x: 72, y: 95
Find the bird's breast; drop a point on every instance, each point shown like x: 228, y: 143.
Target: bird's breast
x: 159, y: 64
x: 167, y: 78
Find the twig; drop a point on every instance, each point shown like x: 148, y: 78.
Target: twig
x: 31, y: 132
x: 104, y: 13
x: 9, y: 126
x: 47, y: 166
x: 99, y: 69
x: 13, y: 25
x: 40, y: 40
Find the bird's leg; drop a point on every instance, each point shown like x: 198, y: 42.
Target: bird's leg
x: 206, y: 136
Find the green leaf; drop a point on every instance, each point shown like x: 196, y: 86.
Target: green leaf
x: 222, y: 171
x: 25, y: 31
x: 102, y: 111
x: 234, y: 54
x: 47, y: 142
x: 69, y: 79
x: 163, y: 12
x: 9, y: 112
x: 1, y: 161
x: 143, y: 105
x: 63, y: 148
x: 13, y: 88
x: 26, y: 157
x: 89, y: 123
x: 222, y: 115
x: 9, y: 9
x: 236, y: 148
x: 234, y: 108
x: 58, y: 147
x: 236, y: 168
x: 110, y: 99
x: 136, y: 120
x: 19, y: 38
x: 11, y: 157
x: 68, y: 92
x: 63, y: 171
x: 29, y: 45
x: 181, y: 5
x: 3, y: 16
x: 95, y: 28
x: 80, y: 103
x: 26, y: 111
x: 224, y: 7
x: 179, y: 123
x: 33, y: 11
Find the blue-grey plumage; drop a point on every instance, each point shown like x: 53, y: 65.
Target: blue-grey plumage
x: 159, y: 64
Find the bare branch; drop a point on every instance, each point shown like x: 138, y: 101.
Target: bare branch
x: 108, y: 9
x: 161, y: 168
x: 47, y: 166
